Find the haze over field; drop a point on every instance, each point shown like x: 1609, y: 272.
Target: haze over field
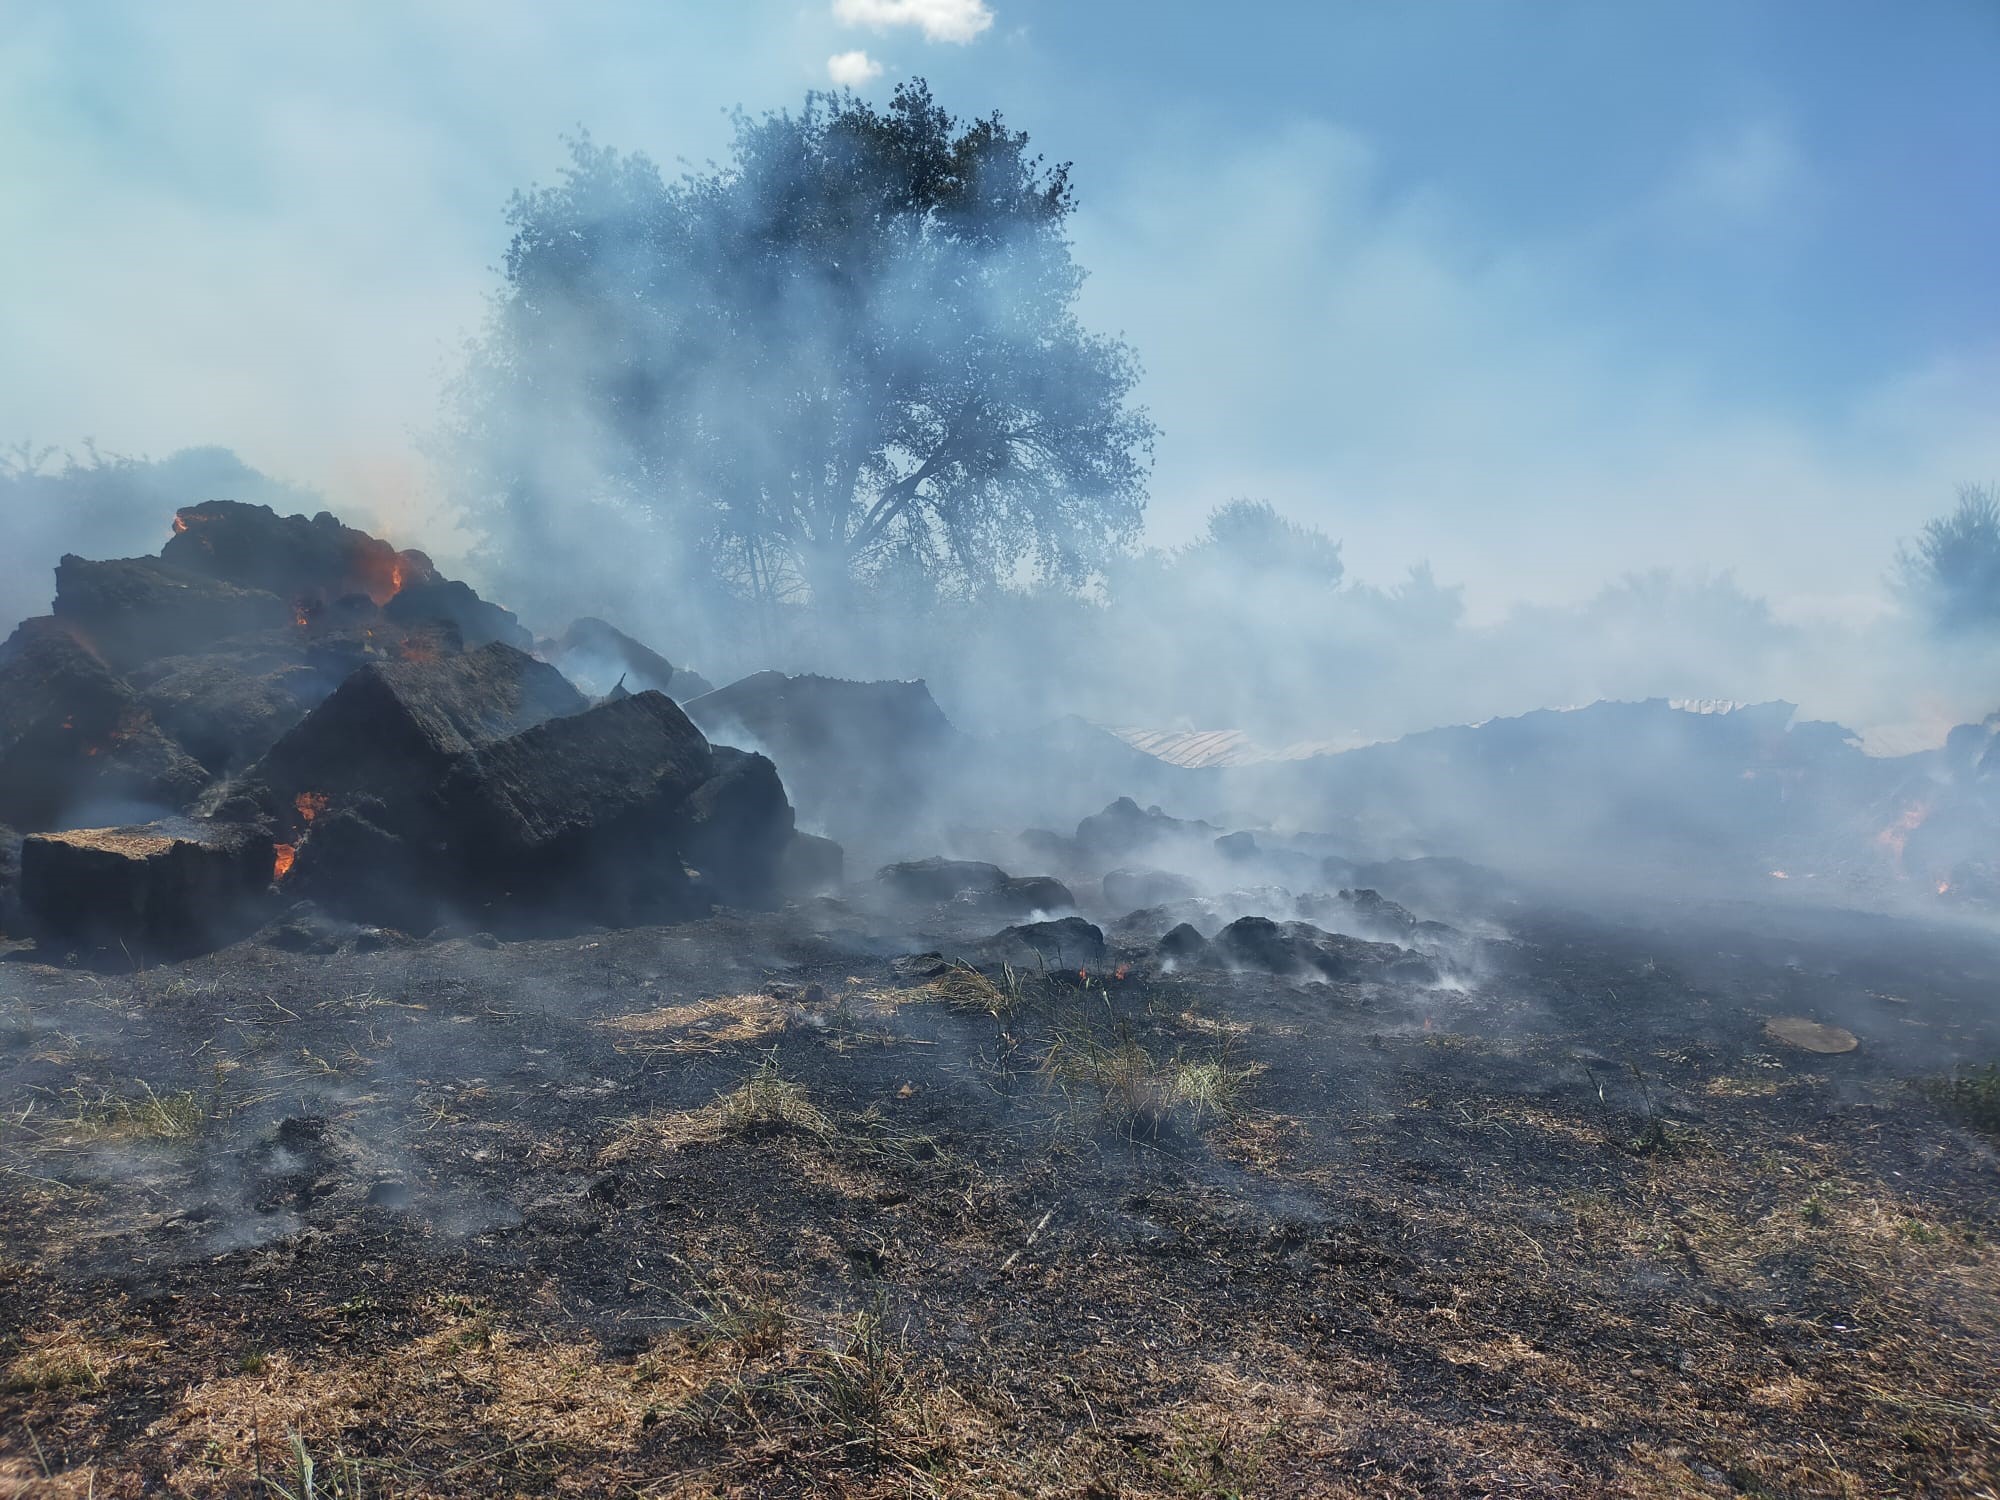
x: 1542, y: 296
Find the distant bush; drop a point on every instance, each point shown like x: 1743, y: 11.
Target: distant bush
x: 1973, y: 1096
x: 107, y: 505
x: 1951, y: 574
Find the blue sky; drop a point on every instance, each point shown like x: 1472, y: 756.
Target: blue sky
x: 1541, y: 292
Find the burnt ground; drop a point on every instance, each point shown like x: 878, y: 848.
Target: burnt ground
x: 737, y: 1208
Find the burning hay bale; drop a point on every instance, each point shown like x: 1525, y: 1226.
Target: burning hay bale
x: 320, y: 569
x: 351, y: 861
x: 74, y: 736
x: 171, y: 887
x: 477, y: 621
x: 394, y: 730
x: 617, y: 814
x: 295, y: 559
x: 392, y: 774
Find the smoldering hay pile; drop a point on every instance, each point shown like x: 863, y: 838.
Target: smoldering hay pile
x: 278, y: 708
x: 283, y: 709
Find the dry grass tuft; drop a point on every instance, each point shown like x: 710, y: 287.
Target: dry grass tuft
x: 769, y: 1101
x: 60, y: 1358
x: 765, y: 1103
x: 964, y: 989
x: 699, y: 1026
x: 144, y: 1116
x: 1139, y: 1092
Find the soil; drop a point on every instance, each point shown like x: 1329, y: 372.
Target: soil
x: 763, y: 1205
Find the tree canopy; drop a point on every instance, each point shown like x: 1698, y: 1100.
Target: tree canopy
x: 847, y: 354
x: 1952, y: 572
x: 1249, y: 541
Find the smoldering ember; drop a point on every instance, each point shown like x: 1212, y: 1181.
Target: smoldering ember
x: 602, y: 1024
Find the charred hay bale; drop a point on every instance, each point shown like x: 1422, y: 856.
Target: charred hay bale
x: 477, y: 621
x: 973, y: 883
x: 352, y: 863
x: 223, y: 709
x: 1029, y: 893
x: 735, y: 829
x: 1124, y: 828
x: 929, y: 881
x: 1241, y: 845
x: 580, y: 818
x: 1126, y: 890
x: 1184, y: 945
x: 395, y: 729
x: 137, y: 608
x: 593, y: 653
x: 856, y: 756
x: 1148, y: 922
x: 230, y: 702
x: 1260, y: 943
x: 812, y: 866
x: 1065, y: 943
x: 1293, y: 949
x: 74, y: 736
x: 172, y: 887
x: 298, y: 560
x: 10, y: 883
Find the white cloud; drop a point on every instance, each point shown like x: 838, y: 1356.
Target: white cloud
x: 939, y: 20
x: 850, y: 70
x: 1747, y: 180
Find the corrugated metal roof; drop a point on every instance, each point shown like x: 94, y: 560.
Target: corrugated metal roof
x: 1195, y: 749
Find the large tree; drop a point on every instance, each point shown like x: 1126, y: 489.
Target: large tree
x: 1952, y: 573
x: 850, y: 351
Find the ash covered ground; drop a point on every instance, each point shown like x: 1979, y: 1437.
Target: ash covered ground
x: 755, y: 1204
x: 795, y: 1095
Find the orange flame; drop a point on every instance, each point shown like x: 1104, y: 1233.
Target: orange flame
x: 1121, y: 972
x: 310, y: 804
x: 1944, y: 888
x: 1896, y: 837
x: 180, y: 525
x: 281, y: 866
